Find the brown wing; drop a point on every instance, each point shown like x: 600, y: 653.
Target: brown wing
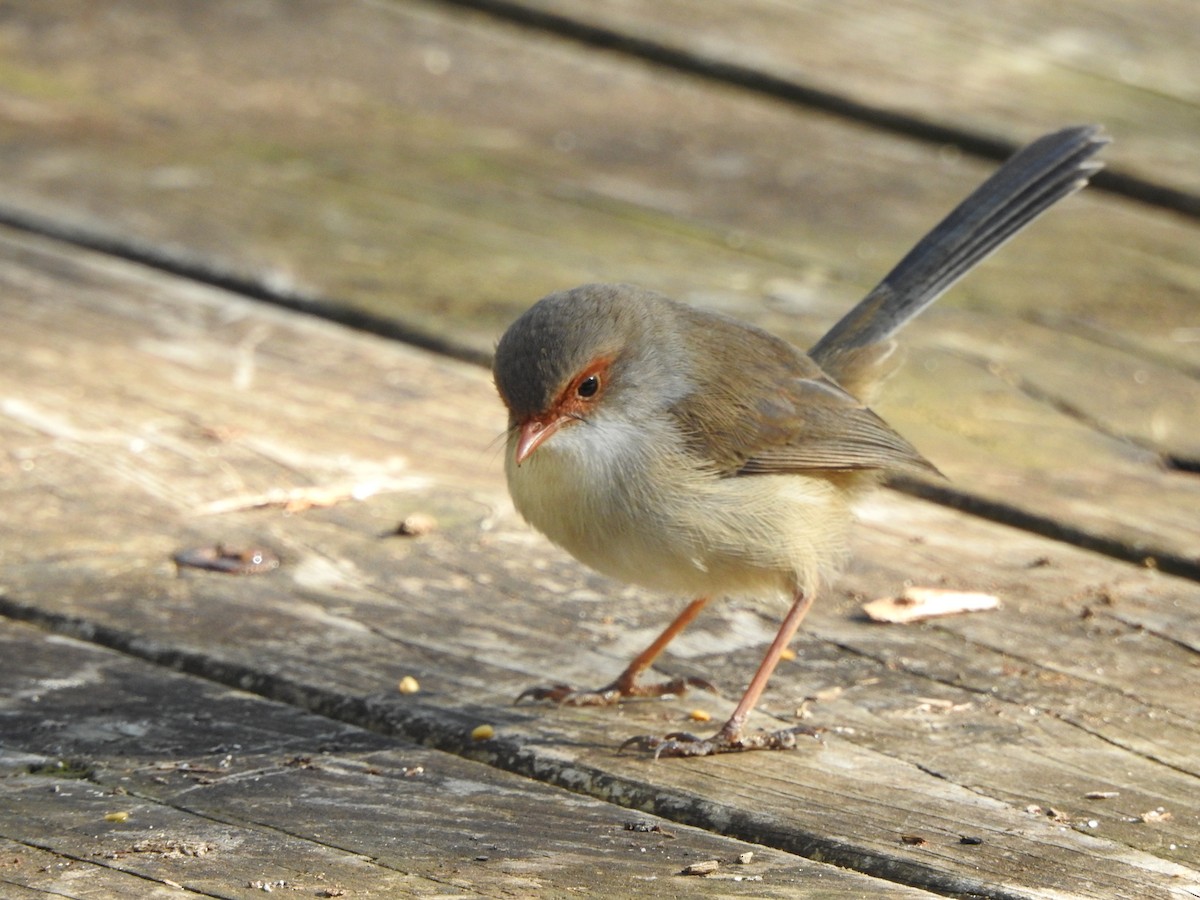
x: 761, y: 406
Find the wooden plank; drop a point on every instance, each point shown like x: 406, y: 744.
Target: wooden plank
x: 567, y: 169
x: 207, y: 399
x: 965, y: 66
x: 30, y: 873
x: 225, y: 794
x: 337, y: 184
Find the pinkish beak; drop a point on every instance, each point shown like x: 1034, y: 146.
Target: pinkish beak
x: 533, y: 434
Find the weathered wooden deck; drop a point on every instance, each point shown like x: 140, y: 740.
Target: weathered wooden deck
x: 250, y: 259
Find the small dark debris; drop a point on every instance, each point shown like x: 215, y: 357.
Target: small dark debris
x: 173, y: 849
x: 913, y: 840
x: 63, y: 768
x: 705, y: 867
x: 230, y: 561
x: 648, y: 828
x: 969, y: 839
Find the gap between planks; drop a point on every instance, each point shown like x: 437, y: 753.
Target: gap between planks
x: 261, y: 289
x: 797, y: 93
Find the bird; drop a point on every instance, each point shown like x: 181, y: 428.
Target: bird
x: 687, y: 452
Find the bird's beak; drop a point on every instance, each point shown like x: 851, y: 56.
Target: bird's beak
x: 533, y: 434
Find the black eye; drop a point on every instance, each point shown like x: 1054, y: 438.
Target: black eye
x: 588, y: 387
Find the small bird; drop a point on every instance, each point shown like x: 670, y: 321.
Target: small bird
x: 685, y: 451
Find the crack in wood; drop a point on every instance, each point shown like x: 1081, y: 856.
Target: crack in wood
x: 255, y: 287
x: 1070, y: 720
x: 798, y: 93
x: 60, y: 853
x: 449, y: 731
x: 1027, y: 520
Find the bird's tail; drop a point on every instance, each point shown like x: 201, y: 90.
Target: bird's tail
x: 1030, y: 182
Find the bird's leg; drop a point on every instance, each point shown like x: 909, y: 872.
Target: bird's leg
x: 626, y: 684
x: 731, y: 738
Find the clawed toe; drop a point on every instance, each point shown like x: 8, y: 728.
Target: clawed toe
x: 682, y: 743
x: 677, y: 743
x: 621, y: 689
x: 555, y: 693
x: 674, y: 688
x: 565, y: 695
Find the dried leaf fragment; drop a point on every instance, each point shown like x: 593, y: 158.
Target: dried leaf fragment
x: 1155, y: 815
x: 916, y: 604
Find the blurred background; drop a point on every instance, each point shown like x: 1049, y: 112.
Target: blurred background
x: 429, y: 169
x: 446, y: 166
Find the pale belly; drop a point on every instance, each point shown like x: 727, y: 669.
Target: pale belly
x: 666, y: 525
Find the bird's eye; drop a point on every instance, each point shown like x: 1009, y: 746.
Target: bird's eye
x: 588, y: 387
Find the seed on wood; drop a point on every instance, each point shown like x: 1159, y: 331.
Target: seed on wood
x: 416, y: 525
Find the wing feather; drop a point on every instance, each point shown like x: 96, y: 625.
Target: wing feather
x: 774, y: 411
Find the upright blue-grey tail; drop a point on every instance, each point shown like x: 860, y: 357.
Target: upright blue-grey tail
x: 1029, y: 183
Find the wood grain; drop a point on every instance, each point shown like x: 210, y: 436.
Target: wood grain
x: 451, y: 169
x: 994, y: 727
x: 919, y: 66
x: 227, y: 794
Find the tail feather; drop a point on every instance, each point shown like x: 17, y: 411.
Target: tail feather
x: 1029, y: 183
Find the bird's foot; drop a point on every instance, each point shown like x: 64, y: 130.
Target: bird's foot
x: 727, y: 740
x: 610, y: 694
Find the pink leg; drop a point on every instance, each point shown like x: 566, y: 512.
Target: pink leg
x: 626, y: 684
x: 730, y: 738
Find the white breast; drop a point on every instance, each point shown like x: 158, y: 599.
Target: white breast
x: 662, y: 521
